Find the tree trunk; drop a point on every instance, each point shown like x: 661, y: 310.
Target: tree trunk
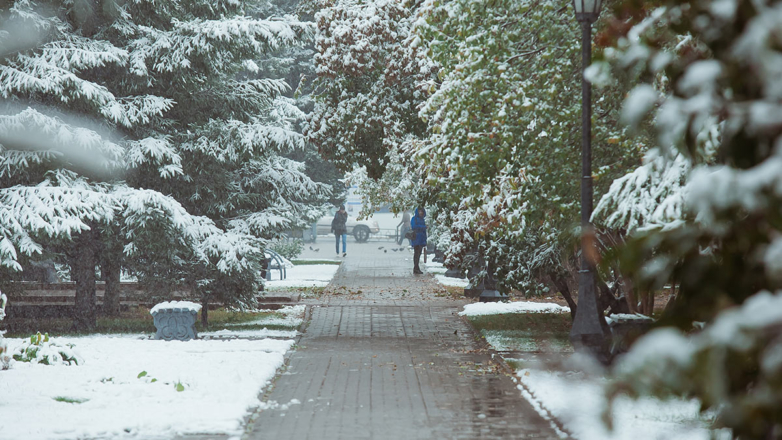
x: 647, y: 303
x: 83, y: 262
x: 561, y: 285
x: 205, y: 311
x: 609, y: 300
x: 630, y: 294
x: 111, y: 269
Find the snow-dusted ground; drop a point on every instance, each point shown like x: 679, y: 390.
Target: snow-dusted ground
x: 221, y: 379
x: 438, y: 270
x: 309, y: 275
x: 252, y: 334
x: 292, y: 316
x: 496, y: 308
x: 577, y: 401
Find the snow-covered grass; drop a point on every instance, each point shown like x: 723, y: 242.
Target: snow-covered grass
x: 574, y: 399
x: 287, y: 316
x: 497, y: 308
x: 220, y: 383
x: 578, y: 401
x: 248, y: 334
x: 439, y: 270
x: 455, y: 282
x: 311, y: 275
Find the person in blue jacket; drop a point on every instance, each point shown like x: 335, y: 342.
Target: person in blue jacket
x: 418, y: 224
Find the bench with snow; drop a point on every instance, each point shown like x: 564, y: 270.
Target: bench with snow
x: 175, y: 320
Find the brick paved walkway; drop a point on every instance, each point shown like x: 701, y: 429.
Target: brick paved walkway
x: 385, y: 357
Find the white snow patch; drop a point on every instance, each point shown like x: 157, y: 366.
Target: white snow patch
x: 497, y: 308
x: 257, y: 334
x: 221, y: 382
x: 292, y: 316
x: 578, y: 402
x: 187, y: 305
x: 311, y: 275
x: 448, y: 281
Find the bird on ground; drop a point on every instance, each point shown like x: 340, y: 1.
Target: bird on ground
x: 316, y: 250
x: 381, y: 247
x: 385, y: 252
x: 311, y: 248
x: 394, y: 249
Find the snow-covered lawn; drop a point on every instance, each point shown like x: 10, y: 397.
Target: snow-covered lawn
x: 439, y: 270
x: 577, y: 402
x: 309, y: 275
x: 221, y: 379
x: 497, y: 308
x: 292, y: 316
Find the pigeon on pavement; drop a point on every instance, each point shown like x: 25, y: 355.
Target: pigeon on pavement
x: 311, y: 248
x: 381, y: 247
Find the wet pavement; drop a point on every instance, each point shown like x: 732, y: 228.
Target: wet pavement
x: 385, y: 356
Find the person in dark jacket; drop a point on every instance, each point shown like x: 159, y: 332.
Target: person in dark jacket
x: 339, y: 228
x: 418, y: 224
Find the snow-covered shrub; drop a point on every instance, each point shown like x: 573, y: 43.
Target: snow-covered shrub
x: 41, y: 350
x: 721, y: 59
x: 289, y: 249
x: 713, y: 365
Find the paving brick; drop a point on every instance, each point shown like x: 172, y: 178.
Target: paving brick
x: 393, y: 361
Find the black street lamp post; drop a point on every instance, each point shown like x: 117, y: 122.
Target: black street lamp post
x: 587, y: 333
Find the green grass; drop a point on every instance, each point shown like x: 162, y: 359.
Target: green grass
x: 137, y: 320
x: 314, y: 262
x: 525, y: 332
x: 534, y: 322
x: 69, y: 399
x: 514, y: 364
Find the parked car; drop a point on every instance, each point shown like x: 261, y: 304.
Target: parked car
x: 359, y: 228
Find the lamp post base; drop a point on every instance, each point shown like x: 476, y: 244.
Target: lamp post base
x: 594, y: 345
x: 492, y: 296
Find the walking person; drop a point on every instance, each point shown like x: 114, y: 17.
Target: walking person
x: 339, y: 228
x: 404, y: 225
x: 418, y: 224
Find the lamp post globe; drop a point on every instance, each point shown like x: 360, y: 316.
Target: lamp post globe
x: 587, y: 10
x: 589, y: 331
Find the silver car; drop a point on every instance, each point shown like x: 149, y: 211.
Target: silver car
x: 359, y: 228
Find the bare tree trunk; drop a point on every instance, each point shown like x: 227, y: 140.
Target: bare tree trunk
x: 647, y: 303
x: 630, y: 294
x: 205, y: 311
x: 111, y: 269
x: 608, y: 299
x: 650, y: 303
x: 83, y: 262
x: 562, y: 287
x: 671, y: 300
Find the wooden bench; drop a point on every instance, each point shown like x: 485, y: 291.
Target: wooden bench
x: 28, y: 299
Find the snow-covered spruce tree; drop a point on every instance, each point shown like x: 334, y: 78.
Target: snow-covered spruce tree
x: 503, y: 151
x: 367, y: 91
x: 725, y: 253
x: 137, y: 64
x: 41, y: 81
x: 232, y: 126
